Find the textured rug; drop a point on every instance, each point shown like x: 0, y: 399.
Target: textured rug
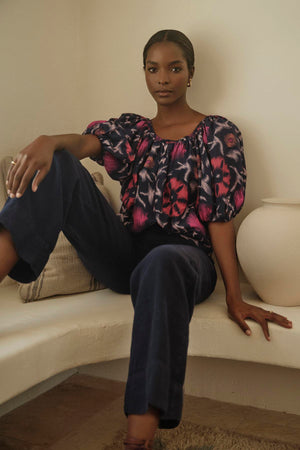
x: 190, y: 436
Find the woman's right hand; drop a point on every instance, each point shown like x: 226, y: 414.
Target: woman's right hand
x: 33, y: 162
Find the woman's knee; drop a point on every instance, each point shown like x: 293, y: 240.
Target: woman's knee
x: 165, y: 256
x: 64, y: 170
x: 176, y: 268
x: 64, y: 159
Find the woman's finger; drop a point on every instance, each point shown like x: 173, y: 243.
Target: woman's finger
x: 265, y: 327
x: 39, y: 176
x: 17, y: 175
x: 10, y: 175
x: 241, y: 323
x: 14, y: 174
x: 280, y: 320
x: 263, y: 317
x: 24, y: 182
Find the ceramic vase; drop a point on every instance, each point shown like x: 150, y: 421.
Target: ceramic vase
x: 268, y: 248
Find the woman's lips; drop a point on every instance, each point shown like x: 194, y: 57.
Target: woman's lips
x: 164, y: 93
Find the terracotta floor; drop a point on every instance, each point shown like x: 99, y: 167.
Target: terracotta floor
x: 84, y: 412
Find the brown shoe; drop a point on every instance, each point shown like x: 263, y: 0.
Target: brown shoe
x: 132, y: 443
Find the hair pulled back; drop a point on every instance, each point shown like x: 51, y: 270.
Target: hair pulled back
x: 178, y: 38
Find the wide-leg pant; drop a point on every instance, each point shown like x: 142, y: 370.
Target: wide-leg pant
x: 165, y: 275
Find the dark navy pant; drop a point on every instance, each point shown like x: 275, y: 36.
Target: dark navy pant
x: 165, y: 275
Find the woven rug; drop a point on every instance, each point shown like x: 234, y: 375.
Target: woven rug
x: 190, y: 436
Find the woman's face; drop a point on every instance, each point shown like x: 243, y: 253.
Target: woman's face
x: 166, y: 73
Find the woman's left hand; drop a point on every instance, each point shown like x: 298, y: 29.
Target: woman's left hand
x: 239, y: 311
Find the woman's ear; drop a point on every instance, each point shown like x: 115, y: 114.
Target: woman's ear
x: 191, y: 74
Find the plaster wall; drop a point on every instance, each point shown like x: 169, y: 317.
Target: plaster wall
x: 65, y: 63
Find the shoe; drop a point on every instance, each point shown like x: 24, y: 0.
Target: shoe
x: 132, y: 443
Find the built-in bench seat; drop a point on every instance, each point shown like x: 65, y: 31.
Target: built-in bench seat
x: 41, y: 339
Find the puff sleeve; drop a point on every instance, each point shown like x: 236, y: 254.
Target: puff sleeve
x: 119, y: 138
x: 223, y: 172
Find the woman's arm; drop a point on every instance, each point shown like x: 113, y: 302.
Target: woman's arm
x: 222, y: 236
x: 81, y: 146
x: 35, y: 160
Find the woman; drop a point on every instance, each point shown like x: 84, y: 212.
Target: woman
x: 182, y: 178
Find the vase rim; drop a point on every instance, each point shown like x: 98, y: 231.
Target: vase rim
x: 282, y: 200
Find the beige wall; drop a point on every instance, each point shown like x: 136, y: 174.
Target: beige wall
x: 65, y: 63
x: 39, y: 88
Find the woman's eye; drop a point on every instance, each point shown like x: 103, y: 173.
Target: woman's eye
x: 152, y: 69
x: 176, y: 69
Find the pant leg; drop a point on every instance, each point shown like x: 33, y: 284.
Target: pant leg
x: 165, y: 286
x: 68, y: 200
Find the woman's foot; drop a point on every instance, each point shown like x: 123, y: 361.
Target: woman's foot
x: 132, y: 443
x: 141, y: 429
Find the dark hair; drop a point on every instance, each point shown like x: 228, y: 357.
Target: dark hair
x: 178, y: 38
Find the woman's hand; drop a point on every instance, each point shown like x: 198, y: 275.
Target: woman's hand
x: 33, y: 161
x: 223, y: 240
x: 239, y: 311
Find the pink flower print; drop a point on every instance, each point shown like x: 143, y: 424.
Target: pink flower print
x: 96, y: 122
x: 174, y: 198
x: 144, y: 144
x: 128, y: 197
x: 230, y: 140
x: 139, y: 219
x: 141, y: 124
x: 221, y: 176
x: 239, y: 198
x: 205, y: 134
x: 111, y: 163
x: 205, y: 212
x: 178, y: 151
x: 129, y: 151
x: 193, y: 221
x: 149, y: 163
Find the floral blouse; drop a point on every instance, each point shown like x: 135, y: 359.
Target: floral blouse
x: 181, y: 185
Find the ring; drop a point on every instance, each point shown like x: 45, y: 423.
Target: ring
x: 13, y: 163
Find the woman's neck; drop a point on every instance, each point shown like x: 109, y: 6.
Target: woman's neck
x: 174, y: 114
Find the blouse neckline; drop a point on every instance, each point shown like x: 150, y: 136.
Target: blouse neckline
x: 149, y: 121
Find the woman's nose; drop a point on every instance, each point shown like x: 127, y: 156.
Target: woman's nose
x: 163, y: 78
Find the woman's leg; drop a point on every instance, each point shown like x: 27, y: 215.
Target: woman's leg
x: 165, y: 286
x: 7, y: 249
x: 66, y: 200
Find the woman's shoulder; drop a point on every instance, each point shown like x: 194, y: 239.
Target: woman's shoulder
x: 132, y: 118
x: 217, y: 120
x: 217, y: 126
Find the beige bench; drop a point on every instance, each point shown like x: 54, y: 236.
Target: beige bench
x: 41, y: 339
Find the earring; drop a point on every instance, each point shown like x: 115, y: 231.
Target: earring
x: 189, y: 83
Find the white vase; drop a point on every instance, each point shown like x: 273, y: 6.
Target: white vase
x: 268, y: 248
